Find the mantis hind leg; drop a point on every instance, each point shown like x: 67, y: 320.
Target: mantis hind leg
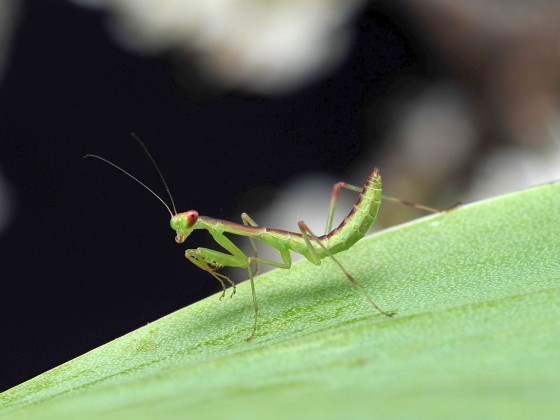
x: 339, y: 185
x: 308, y: 235
x: 334, y: 200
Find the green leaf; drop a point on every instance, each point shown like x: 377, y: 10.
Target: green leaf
x: 477, y: 333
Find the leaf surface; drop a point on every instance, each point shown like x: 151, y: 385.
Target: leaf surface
x: 477, y: 333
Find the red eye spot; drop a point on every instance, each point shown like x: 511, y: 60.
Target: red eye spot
x: 192, y: 217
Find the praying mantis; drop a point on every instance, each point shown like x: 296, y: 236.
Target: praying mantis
x: 314, y: 248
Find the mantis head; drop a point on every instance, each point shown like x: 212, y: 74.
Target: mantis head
x: 183, y: 224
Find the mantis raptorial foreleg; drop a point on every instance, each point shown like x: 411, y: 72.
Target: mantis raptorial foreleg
x: 208, y: 259
x: 202, y: 259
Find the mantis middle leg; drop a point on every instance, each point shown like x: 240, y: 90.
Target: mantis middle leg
x: 248, y: 221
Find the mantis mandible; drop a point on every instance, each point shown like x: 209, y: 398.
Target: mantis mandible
x: 314, y: 248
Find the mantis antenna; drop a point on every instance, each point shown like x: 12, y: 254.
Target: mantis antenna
x: 134, y: 178
x: 143, y: 146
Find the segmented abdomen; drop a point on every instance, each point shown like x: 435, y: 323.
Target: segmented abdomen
x: 359, y: 220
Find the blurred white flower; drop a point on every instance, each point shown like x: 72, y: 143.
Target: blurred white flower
x: 264, y: 46
x: 515, y: 168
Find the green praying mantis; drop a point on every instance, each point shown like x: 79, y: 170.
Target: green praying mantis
x: 314, y: 248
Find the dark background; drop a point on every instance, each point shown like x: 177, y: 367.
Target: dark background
x: 88, y: 255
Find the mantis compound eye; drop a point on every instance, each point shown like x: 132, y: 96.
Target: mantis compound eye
x: 192, y: 217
